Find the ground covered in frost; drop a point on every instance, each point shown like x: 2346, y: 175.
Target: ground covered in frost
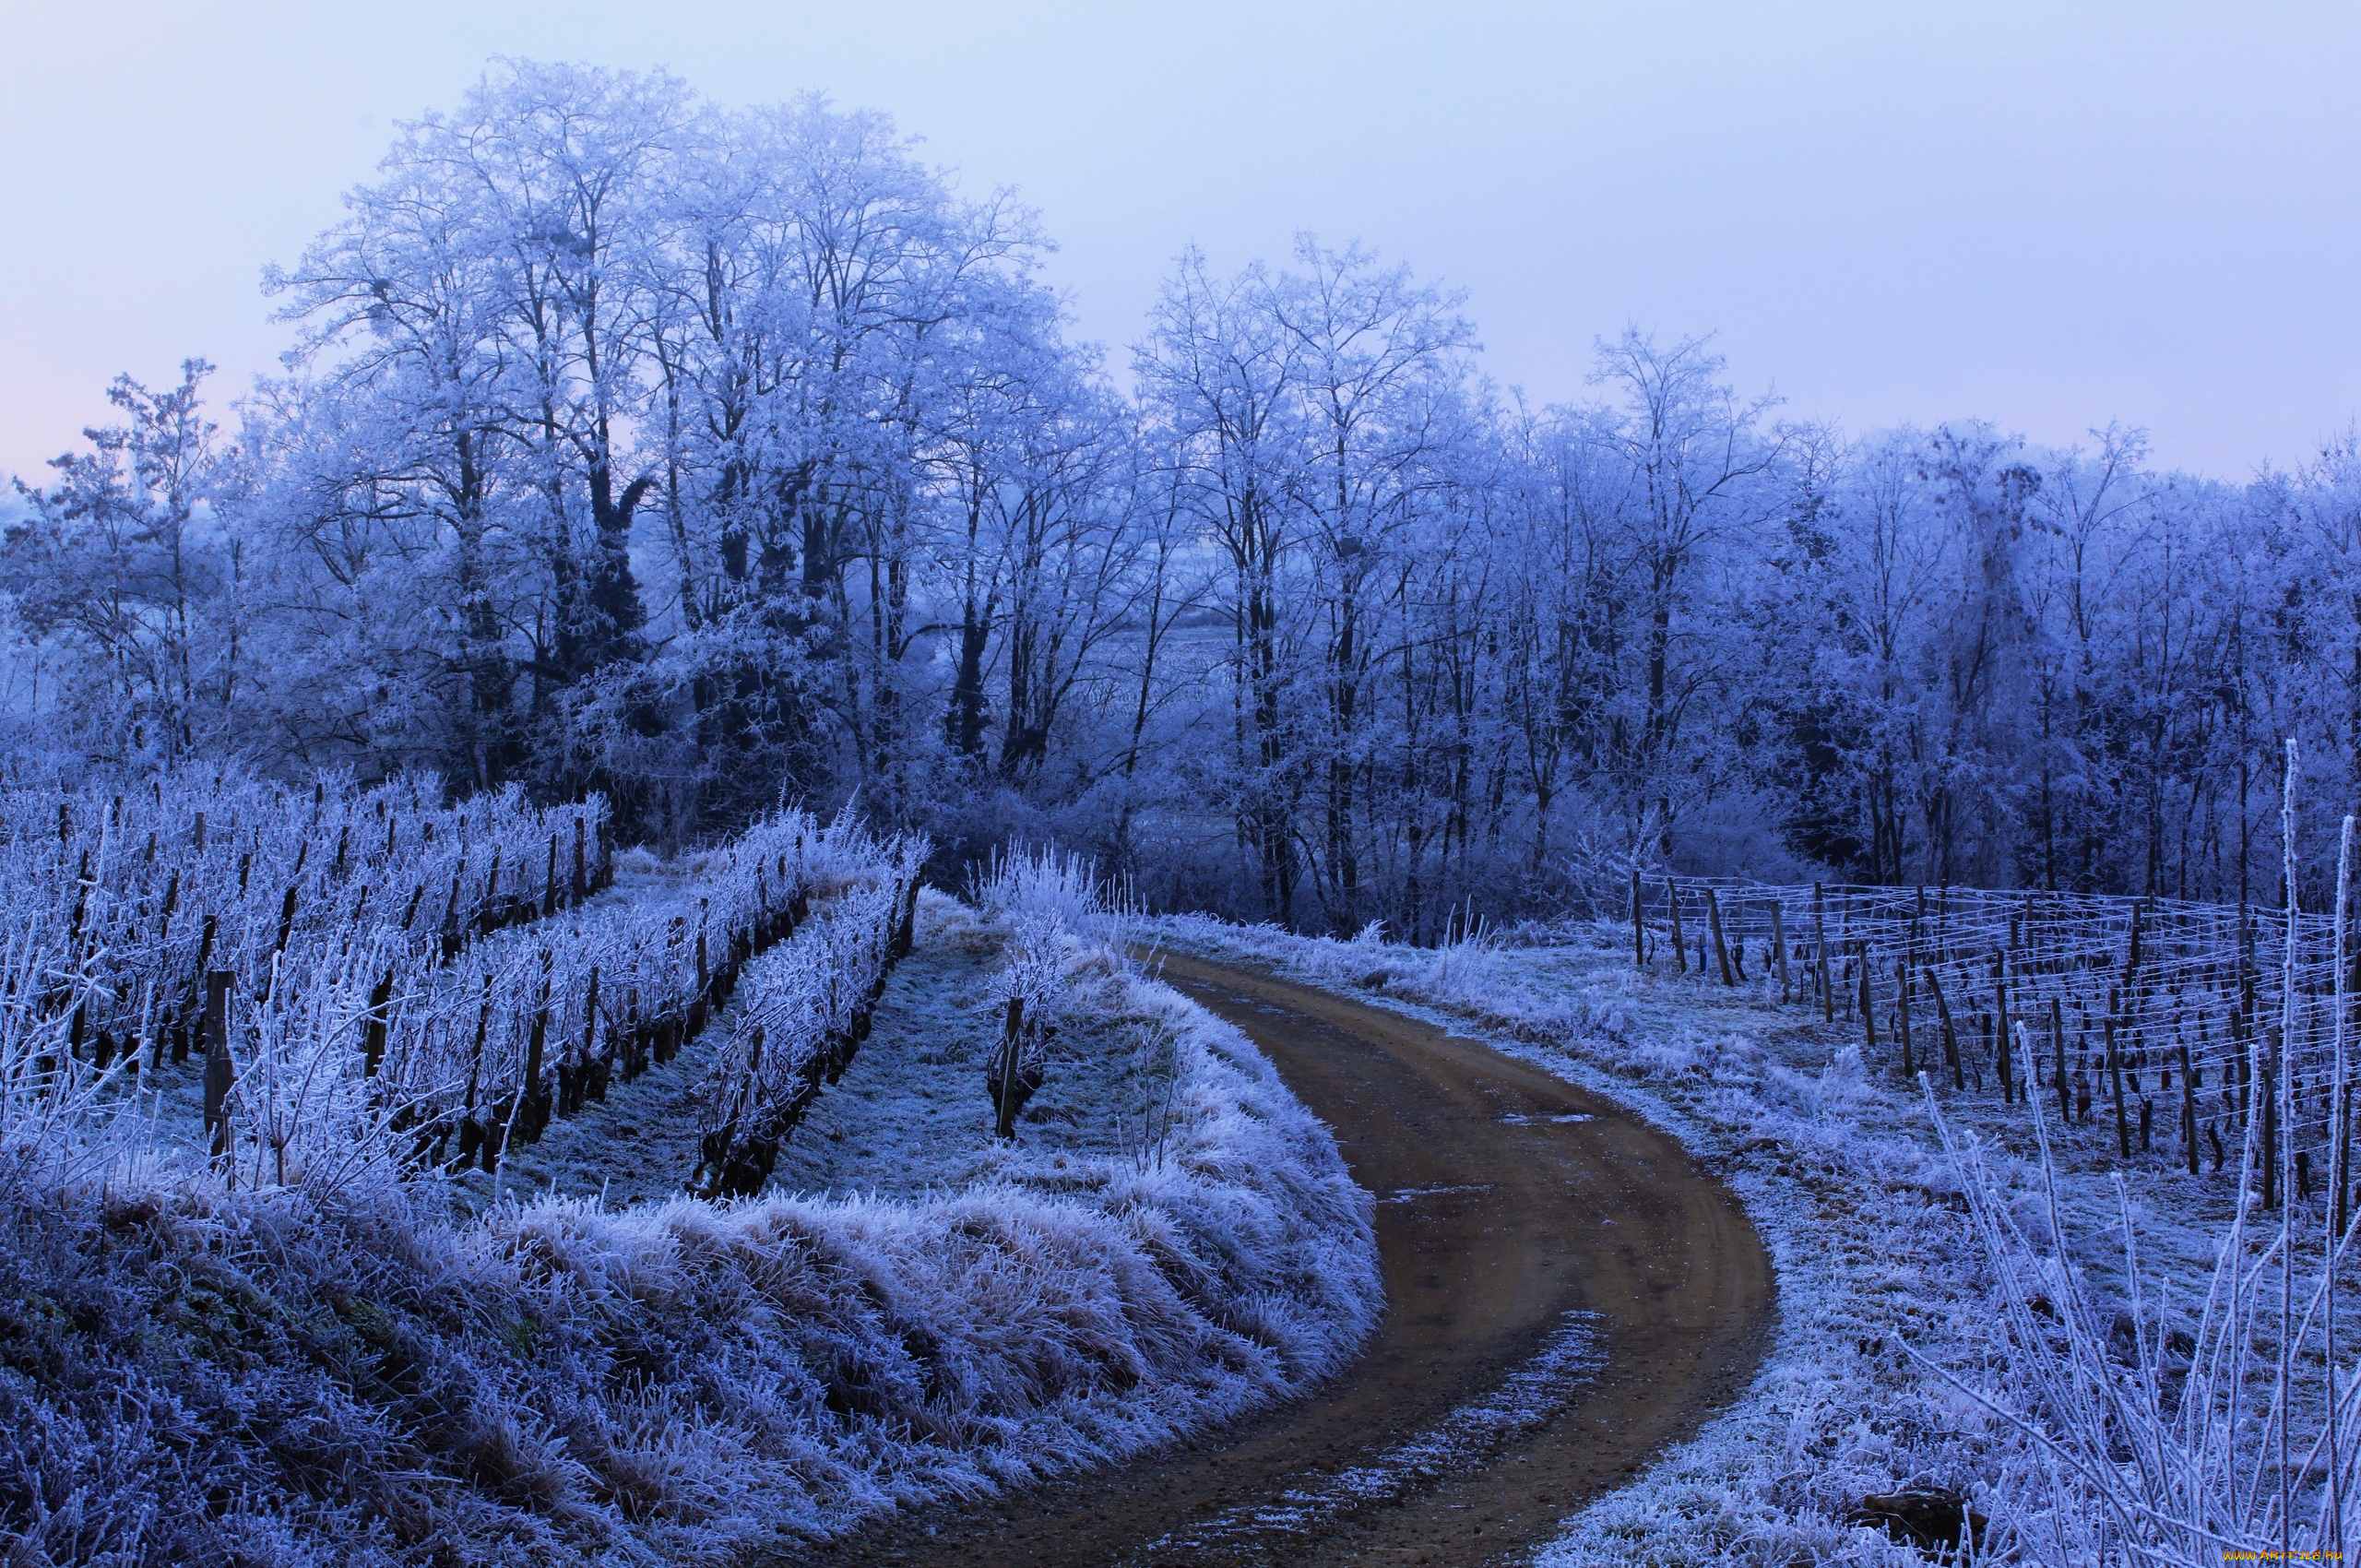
x: 593, y: 1368
x: 1883, y: 1310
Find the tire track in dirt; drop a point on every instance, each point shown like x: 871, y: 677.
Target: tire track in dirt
x: 1566, y: 1294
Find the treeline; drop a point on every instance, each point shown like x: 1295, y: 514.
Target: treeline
x: 701, y: 458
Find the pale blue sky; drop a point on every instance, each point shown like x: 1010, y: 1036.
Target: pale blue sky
x: 2046, y: 215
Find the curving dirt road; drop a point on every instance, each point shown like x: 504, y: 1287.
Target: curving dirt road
x: 1565, y: 1295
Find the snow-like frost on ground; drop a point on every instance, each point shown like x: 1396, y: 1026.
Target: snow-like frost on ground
x: 188, y: 1374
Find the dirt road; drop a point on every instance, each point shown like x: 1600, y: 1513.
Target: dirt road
x: 1565, y: 1295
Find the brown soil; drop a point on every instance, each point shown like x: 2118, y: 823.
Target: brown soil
x: 1494, y: 1222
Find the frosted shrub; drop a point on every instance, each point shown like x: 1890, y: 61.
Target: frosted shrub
x: 308, y: 1113
x: 1465, y: 966
x: 1045, y: 886
x: 1049, y: 907
x: 1605, y: 1010
x: 2165, y: 1429
x: 64, y: 1120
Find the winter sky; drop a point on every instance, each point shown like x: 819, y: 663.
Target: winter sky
x: 2048, y: 214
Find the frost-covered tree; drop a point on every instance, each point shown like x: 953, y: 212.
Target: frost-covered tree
x: 125, y: 570
x: 704, y: 457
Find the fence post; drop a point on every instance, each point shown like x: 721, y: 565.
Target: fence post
x: 2058, y: 1041
x: 2188, y: 1117
x: 287, y: 918
x: 595, y: 1066
x: 1680, y: 957
x: 2115, y: 1076
x: 373, y: 1040
x: 220, y: 1071
x: 906, y: 931
x: 1902, y: 1015
x: 1721, y: 948
x: 529, y: 1117
x: 1819, y: 953
x: 1951, y: 1035
x: 1779, y: 940
x: 1010, y: 1055
x: 1868, y: 1012
x: 1639, y: 930
x: 2001, y: 1027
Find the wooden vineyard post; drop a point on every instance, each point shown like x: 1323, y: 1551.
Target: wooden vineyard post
x: 1901, y: 1015
x: 2188, y: 1110
x: 1011, y: 1052
x: 208, y: 929
x: 373, y: 1047
x: 1679, y: 957
x: 491, y: 1131
x: 596, y: 1068
x: 286, y: 918
x: 1951, y: 1035
x: 549, y: 880
x: 2239, y: 1072
x: 2057, y: 1067
x: 905, y: 935
x: 1868, y: 1012
x: 1720, y: 949
x: 2000, y: 1027
x: 451, y: 942
x: 220, y: 1071
x: 1779, y: 941
x: 81, y: 900
x: 527, y: 1122
x: 475, y: 1139
x: 2115, y: 1077
x: 1639, y: 930
x: 1819, y: 955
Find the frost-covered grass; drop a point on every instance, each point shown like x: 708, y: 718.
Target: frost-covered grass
x: 910, y: 1118
x: 915, y: 1117
x: 283, y: 1376
x: 1840, y: 1168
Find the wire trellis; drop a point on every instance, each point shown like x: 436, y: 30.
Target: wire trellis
x: 2163, y: 1023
